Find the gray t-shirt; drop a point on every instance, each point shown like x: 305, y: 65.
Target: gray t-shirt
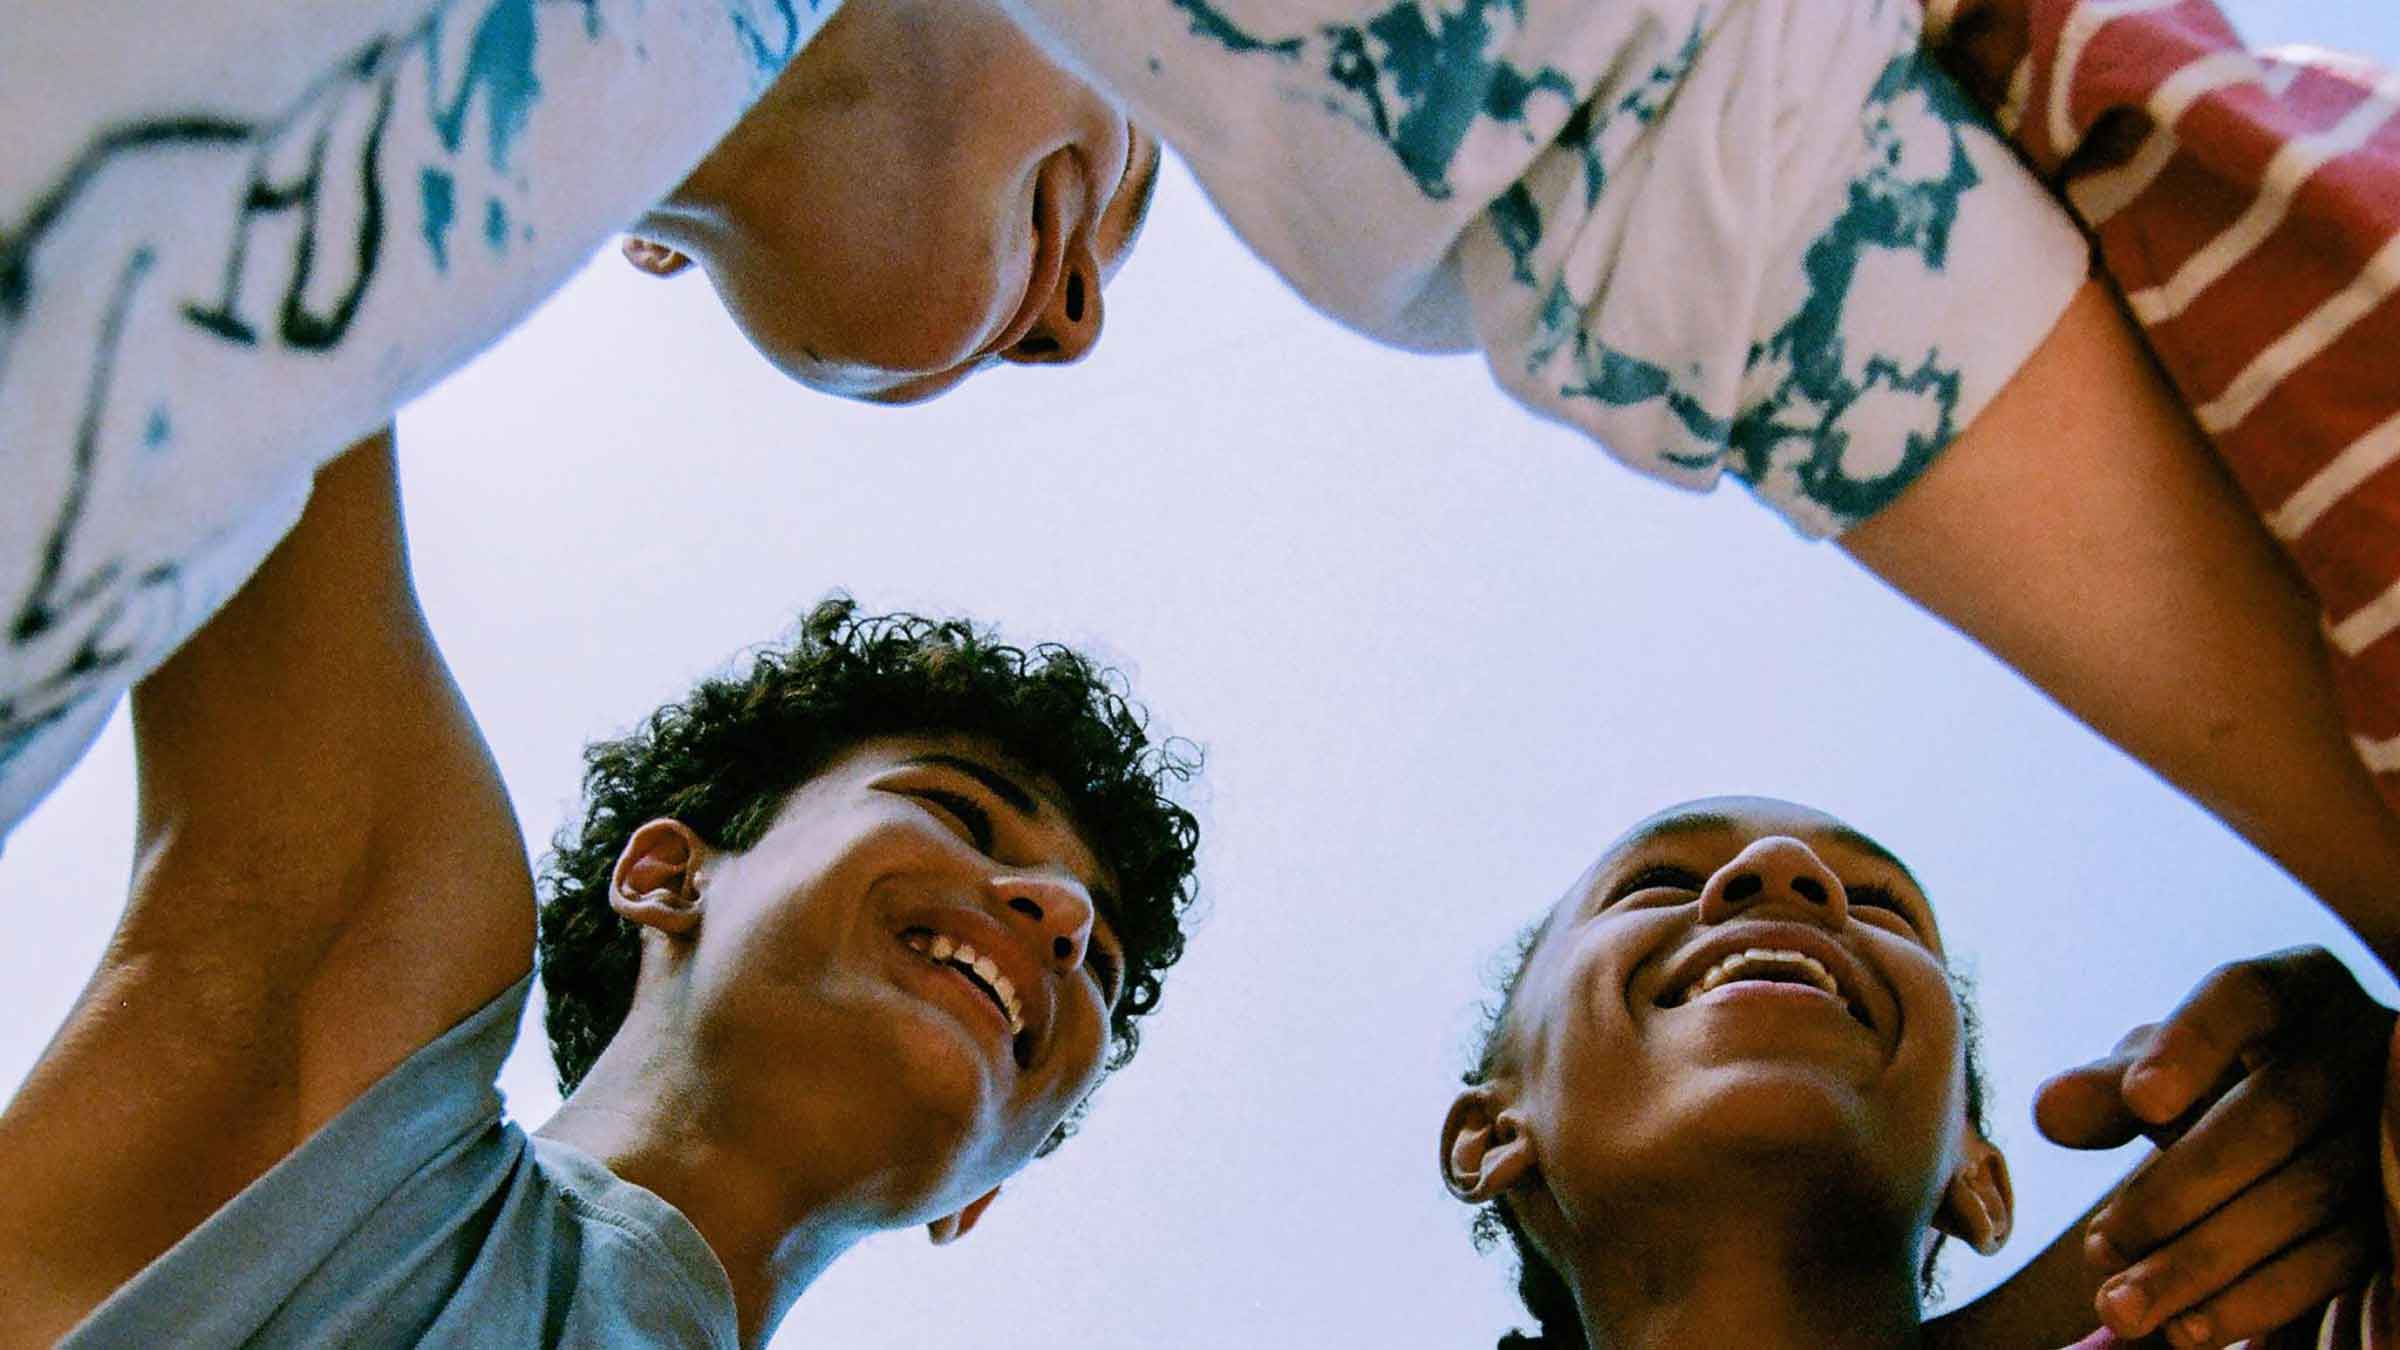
x: 421, y: 1216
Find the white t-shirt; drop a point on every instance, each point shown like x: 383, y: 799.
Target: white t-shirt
x: 1764, y: 237
x: 235, y: 236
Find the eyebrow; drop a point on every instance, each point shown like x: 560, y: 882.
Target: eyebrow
x: 1843, y: 834
x: 1008, y: 790
x: 1708, y: 822
x: 1004, y: 787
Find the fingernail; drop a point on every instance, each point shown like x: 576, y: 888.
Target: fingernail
x: 2122, y: 1305
x: 2099, y: 1251
x: 2189, y: 1329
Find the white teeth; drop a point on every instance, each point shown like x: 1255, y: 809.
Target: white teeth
x: 1762, y: 959
x: 948, y: 950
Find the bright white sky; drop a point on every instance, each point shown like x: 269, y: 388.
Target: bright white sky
x: 1438, y: 655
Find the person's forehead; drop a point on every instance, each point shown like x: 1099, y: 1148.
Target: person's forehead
x: 1730, y: 818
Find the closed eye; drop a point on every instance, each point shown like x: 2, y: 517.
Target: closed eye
x: 976, y: 821
x: 1107, y: 970
x: 1871, y: 896
x: 1658, y: 876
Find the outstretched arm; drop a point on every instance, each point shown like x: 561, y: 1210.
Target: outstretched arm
x: 328, y: 875
x: 1772, y: 240
x: 2082, y: 531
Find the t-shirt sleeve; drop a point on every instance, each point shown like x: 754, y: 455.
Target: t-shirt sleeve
x: 430, y: 1130
x: 1764, y: 237
x: 339, y: 204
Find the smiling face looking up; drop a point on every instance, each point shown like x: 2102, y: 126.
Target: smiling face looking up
x: 921, y: 194
x: 1737, y: 1028
x: 825, y: 967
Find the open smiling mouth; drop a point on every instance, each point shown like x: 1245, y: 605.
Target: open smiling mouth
x: 1768, y: 965
x: 985, y: 975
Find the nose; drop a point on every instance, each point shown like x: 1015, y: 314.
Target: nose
x: 1777, y: 868
x: 1069, y: 326
x: 1058, y: 909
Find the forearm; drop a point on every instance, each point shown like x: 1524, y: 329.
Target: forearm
x: 2082, y: 531
x: 328, y: 876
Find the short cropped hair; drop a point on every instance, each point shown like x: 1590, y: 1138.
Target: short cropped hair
x: 1558, y: 1322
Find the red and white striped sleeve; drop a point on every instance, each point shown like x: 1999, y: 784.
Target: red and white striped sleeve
x: 2247, y: 205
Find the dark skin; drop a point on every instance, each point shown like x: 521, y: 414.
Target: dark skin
x: 329, y: 876
x: 2260, y: 1090
x: 2276, y: 1159
x: 1782, y: 1147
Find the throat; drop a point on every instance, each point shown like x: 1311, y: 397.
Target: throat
x: 1818, y: 1281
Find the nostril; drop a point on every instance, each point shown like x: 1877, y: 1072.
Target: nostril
x: 1810, y: 889
x: 1062, y: 948
x: 1025, y: 907
x: 1074, y: 297
x: 1743, y: 887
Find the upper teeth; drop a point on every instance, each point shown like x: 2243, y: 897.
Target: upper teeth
x: 950, y: 951
x: 1755, y: 959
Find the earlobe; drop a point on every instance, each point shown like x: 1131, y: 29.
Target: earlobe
x: 1486, y: 1151
x: 1979, y: 1207
x: 657, y: 880
x: 951, y: 1227
x: 655, y: 258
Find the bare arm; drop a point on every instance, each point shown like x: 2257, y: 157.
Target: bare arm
x: 328, y: 876
x: 2083, y: 532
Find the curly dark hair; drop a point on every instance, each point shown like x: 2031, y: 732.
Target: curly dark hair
x: 1558, y: 1323
x: 724, y: 760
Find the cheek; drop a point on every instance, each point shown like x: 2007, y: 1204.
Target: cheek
x: 1929, y: 1072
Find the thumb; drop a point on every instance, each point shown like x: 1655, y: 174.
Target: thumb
x: 2085, y: 1107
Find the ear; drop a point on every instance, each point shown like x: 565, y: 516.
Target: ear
x: 657, y: 881
x: 1979, y: 1207
x: 653, y: 257
x: 951, y: 1227
x: 1486, y: 1151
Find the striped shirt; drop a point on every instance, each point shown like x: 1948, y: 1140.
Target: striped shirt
x: 2248, y: 207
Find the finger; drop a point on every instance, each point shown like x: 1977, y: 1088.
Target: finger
x: 2267, y: 1119
x: 1982, y: 40
x: 2234, y: 1009
x: 2289, y: 1288
x: 2318, y: 1192
x: 2084, y: 1107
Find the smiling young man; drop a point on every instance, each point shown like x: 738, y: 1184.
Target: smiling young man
x: 339, y: 208
x: 843, y: 940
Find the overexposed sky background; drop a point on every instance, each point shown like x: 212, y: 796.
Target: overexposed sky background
x: 1438, y: 654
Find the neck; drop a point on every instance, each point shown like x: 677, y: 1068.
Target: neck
x: 1753, y: 1272
x: 773, y: 1228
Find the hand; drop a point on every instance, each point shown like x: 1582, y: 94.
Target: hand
x: 1981, y: 43
x: 2262, y: 1090
x: 1986, y: 46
